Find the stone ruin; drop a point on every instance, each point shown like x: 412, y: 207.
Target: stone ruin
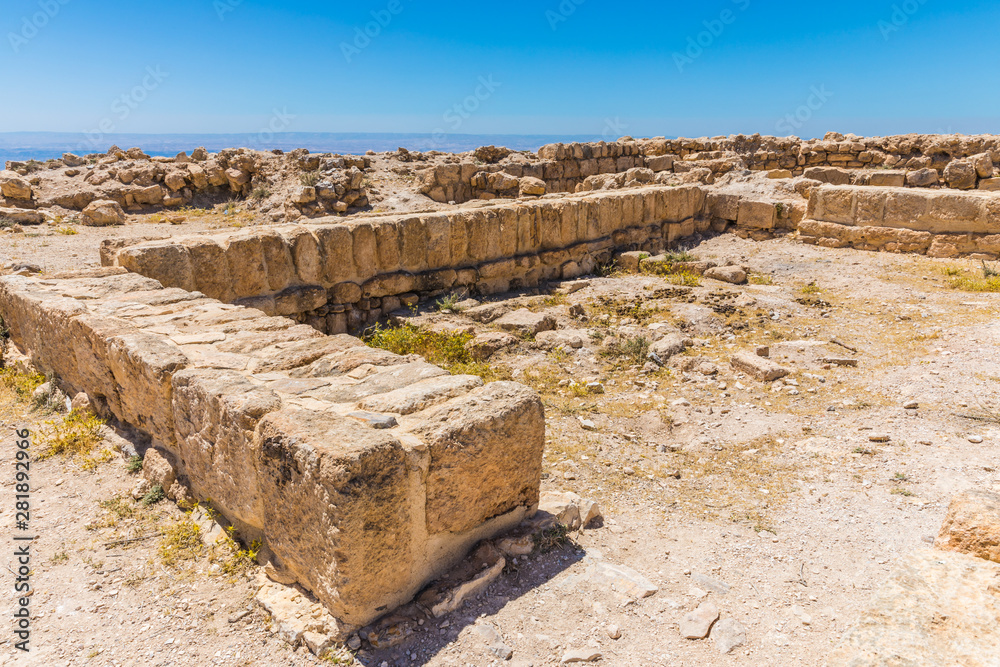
x: 367, y: 475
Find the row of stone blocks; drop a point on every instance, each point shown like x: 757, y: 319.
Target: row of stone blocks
x: 296, y: 269
x: 933, y: 222
x: 364, y: 473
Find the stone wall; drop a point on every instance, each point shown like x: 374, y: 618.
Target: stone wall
x: 961, y: 162
x: 287, y: 185
x: 365, y: 474
x: 943, y: 223
x: 340, y: 277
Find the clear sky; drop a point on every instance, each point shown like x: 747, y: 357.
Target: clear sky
x: 573, y: 67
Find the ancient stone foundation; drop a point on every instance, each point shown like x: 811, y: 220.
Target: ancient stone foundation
x: 339, y: 277
x: 938, y: 223
x: 364, y: 473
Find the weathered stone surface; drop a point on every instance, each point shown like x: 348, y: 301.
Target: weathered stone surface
x: 698, y: 623
x: 22, y: 216
x: 102, y: 213
x: 728, y: 274
x: 13, y: 186
x: 960, y: 174
x: 760, y: 368
x: 526, y: 323
x: 937, y: 608
x: 972, y: 525
x: 670, y: 345
x: 922, y: 178
x: 831, y: 175
x: 531, y: 186
x: 485, y: 345
x: 728, y: 634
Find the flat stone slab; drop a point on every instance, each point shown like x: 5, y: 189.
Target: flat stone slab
x: 760, y: 368
x: 937, y: 608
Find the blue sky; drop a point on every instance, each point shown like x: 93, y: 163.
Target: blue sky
x: 573, y: 67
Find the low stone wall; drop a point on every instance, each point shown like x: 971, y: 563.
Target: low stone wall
x: 366, y: 474
x: 937, y: 223
x: 962, y: 162
x: 340, y: 277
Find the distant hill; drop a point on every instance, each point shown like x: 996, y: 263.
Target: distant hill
x: 46, y: 145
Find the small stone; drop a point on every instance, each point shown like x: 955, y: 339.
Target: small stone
x: 595, y: 387
x: 975, y: 439
x: 879, y: 437
x: 911, y: 405
x: 728, y: 634
x: 354, y: 642
x: 614, y: 632
x: 699, y: 622
x: 588, y: 425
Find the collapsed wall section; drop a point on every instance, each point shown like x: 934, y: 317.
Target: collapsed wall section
x: 340, y: 277
x: 936, y: 223
x: 365, y: 474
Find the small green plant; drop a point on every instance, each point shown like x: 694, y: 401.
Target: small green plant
x: 22, y: 384
x: 989, y: 282
x: 780, y: 209
x: 989, y: 271
x: 77, y: 434
x: 684, y: 278
x: 901, y: 491
x: 864, y: 451
x: 633, y: 350
x: 260, y: 193
x: 311, y: 178
x: 66, y: 231
x: 443, y: 349
x: 552, y: 538
x: 679, y: 256
x: 59, y: 557
x: 6, y: 223
x: 181, y: 541
x: 811, y: 288
x: 133, y: 465
x: 449, y: 303
x: 153, y: 496
x: 760, y: 279
x: 900, y: 477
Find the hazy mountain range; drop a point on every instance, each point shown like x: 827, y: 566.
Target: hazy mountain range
x: 46, y: 145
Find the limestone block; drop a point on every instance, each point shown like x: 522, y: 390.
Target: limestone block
x: 485, y: 456
x: 725, y: 206
x: 337, y: 509
x: 102, y: 213
x: 886, y: 178
x: 757, y: 215
x: 245, y: 256
x: 164, y: 261
x: 760, y: 368
x: 209, y: 268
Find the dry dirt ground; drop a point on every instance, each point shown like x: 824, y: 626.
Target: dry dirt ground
x: 784, y: 505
